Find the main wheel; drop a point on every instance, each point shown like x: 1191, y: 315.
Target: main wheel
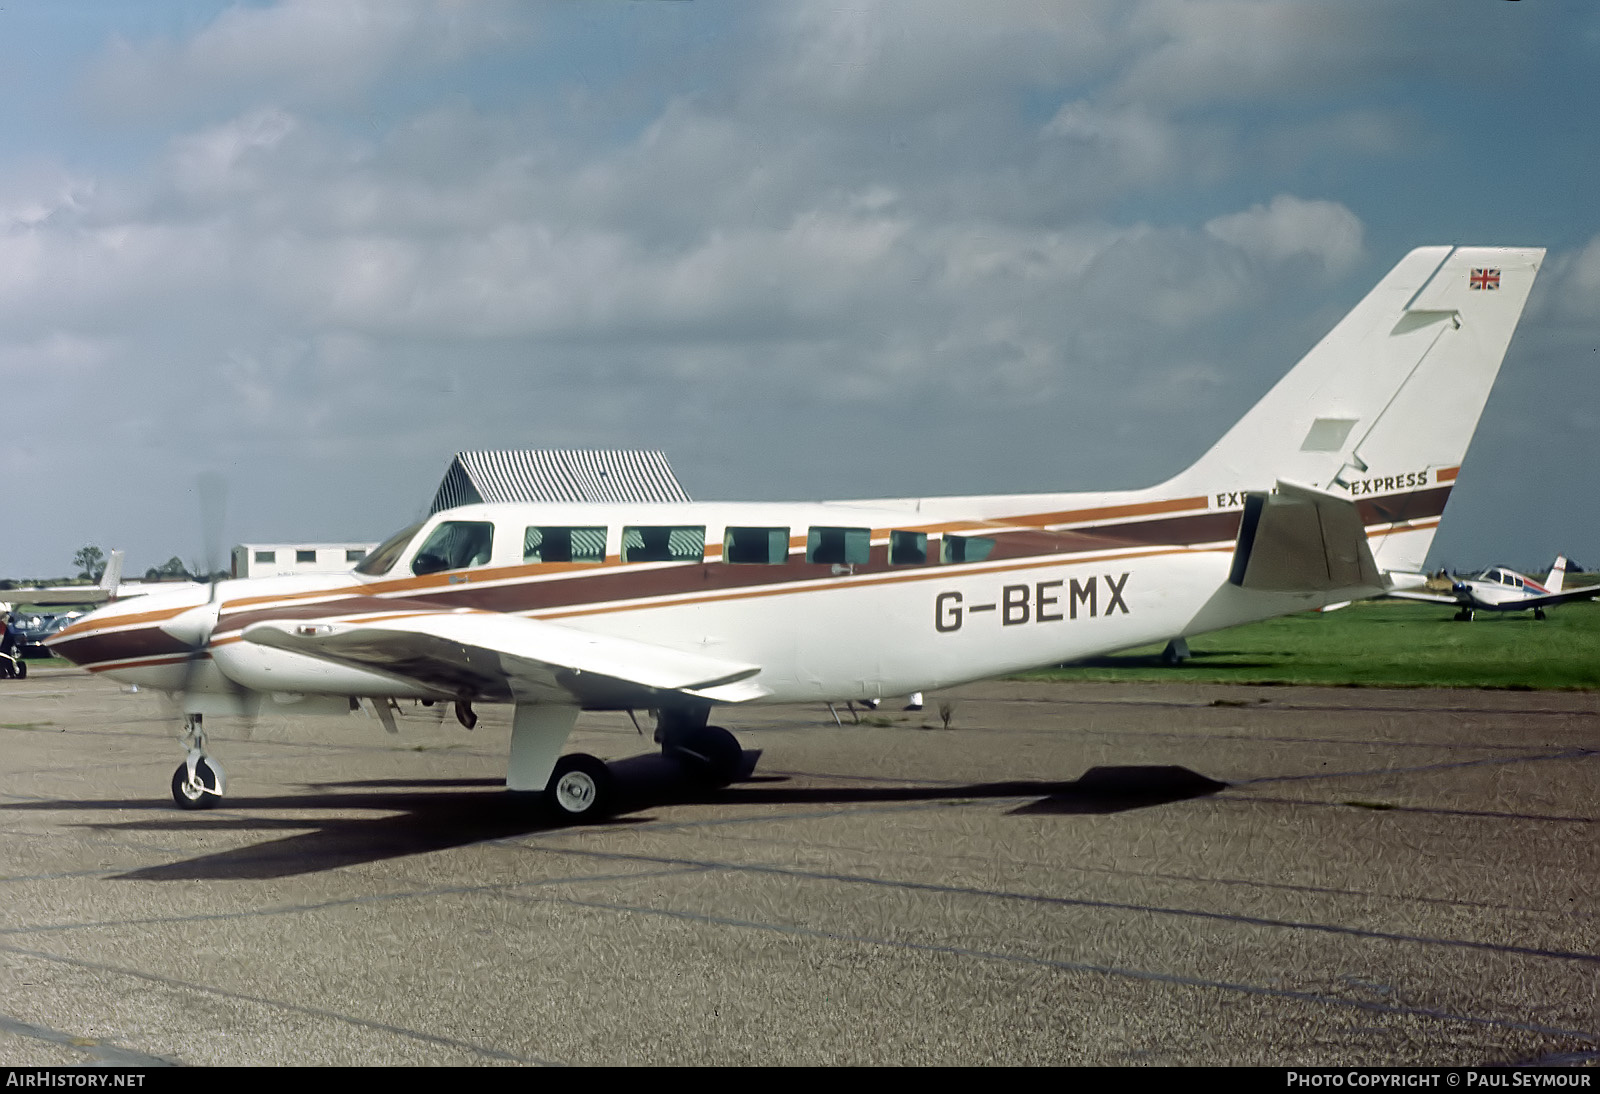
x: 580, y: 788
x: 22, y: 669
x: 202, y: 793
x: 711, y: 753
x: 1538, y: 613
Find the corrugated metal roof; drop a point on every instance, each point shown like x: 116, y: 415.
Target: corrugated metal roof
x: 549, y: 474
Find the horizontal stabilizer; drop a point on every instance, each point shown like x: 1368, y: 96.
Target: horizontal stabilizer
x: 1299, y: 539
x: 504, y: 657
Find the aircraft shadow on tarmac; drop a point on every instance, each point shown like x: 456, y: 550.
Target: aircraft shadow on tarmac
x: 438, y: 814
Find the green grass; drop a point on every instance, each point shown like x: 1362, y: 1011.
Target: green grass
x: 1380, y: 644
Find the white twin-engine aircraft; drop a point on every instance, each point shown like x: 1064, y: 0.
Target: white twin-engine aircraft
x: 1337, y: 476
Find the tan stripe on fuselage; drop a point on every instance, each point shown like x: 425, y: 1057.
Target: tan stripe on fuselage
x: 431, y: 584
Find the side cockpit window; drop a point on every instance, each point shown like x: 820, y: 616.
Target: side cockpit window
x: 763, y: 546
x: 386, y: 554
x: 664, y: 543
x: 965, y: 548
x: 840, y: 546
x: 455, y: 545
x: 908, y: 548
x: 563, y: 544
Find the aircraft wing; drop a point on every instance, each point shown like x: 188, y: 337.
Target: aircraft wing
x: 55, y: 596
x: 500, y: 657
x: 1562, y: 597
x: 1431, y: 598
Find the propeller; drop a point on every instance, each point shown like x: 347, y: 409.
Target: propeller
x: 195, y: 626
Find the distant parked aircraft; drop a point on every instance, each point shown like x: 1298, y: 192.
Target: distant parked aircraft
x: 109, y: 587
x: 1501, y: 589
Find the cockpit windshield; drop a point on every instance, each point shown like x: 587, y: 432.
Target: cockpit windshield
x: 382, y: 560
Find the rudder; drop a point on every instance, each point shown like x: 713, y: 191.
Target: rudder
x: 1383, y: 408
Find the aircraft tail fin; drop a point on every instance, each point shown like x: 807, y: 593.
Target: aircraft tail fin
x: 1383, y: 408
x: 1558, y: 575
x: 111, y: 577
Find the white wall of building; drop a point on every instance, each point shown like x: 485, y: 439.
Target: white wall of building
x: 275, y: 559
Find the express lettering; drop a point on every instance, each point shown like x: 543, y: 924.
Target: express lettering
x: 1387, y: 483
x: 1411, y: 480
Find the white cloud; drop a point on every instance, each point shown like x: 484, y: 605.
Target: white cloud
x: 297, y: 51
x: 848, y: 228
x: 1290, y: 227
x: 914, y: 55
x: 217, y: 160
x: 1126, y: 144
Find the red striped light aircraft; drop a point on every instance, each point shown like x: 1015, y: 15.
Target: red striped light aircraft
x: 1502, y: 589
x: 1339, y: 474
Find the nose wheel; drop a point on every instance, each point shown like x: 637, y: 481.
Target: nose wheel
x: 199, y: 782
x: 200, y: 788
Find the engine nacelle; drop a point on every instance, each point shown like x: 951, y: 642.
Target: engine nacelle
x: 262, y: 668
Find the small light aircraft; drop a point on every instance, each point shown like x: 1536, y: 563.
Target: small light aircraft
x: 1338, y: 474
x: 110, y: 587
x: 1502, y: 589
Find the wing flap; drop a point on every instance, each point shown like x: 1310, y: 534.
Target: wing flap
x: 504, y: 657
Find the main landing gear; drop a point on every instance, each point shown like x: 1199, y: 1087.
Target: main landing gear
x: 199, y: 782
x: 579, y: 788
x: 583, y: 788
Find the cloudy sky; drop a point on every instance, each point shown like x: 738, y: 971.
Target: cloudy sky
x: 822, y: 249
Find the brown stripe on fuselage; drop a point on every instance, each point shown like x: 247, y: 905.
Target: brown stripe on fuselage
x: 381, y: 608
x: 526, y: 588
x: 117, y: 645
x: 1399, y: 508
x: 605, y: 584
x: 232, y: 621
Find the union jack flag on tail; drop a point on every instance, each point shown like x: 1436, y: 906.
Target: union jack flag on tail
x: 1485, y: 279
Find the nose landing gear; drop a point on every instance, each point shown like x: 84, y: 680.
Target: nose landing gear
x: 199, y: 782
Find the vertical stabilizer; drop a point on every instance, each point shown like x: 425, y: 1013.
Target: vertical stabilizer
x: 111, y: 576
x: 1558, y: 575
x: 1383, y: 408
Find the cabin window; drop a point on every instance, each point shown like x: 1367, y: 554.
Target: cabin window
x: 384, y: 556
x: 664, y: 543
x: 355, y: 554
x: 965, y: 548
x: 840, y: 546
x: 305, y: 556
x: 455, y: 545
x: 562, y: 544
x: 908, y: 548
x: 266, y: 556
x: 764, y: 546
